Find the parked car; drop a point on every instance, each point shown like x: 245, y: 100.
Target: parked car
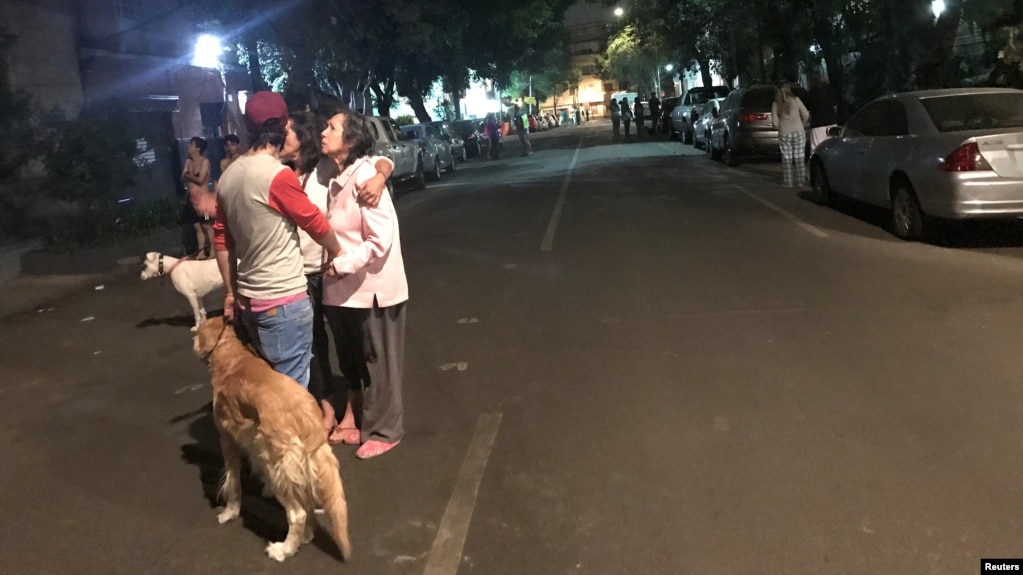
x: 667, y: 105
x: 954, y: 153
x: 407, y: 156
x: 743, y: 126
x: 436, y: 150
x: 701, y: 129
x: 681, y: 116
x: 469, y: 131
x: 447, y: 132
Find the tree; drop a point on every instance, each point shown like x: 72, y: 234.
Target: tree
x: 630, y: 58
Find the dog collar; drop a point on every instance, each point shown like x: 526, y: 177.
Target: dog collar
x: 159, y: 268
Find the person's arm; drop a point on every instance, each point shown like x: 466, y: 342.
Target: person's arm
x: 184, y: 170
x: 371, y: 190
x: 288, y: 198
x: 378, y: 235
x: 804, y: 114
x: 774, y: 115
x: 227, y: 263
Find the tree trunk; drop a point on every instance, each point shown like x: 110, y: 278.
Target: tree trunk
x: 415, y: 100
x: 936, y: 67
x: 256, y: 81
x: 456, y: 99
x: 704, y: 63
x: 385, y: 97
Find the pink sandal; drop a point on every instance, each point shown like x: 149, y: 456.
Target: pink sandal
x: 373, y: 448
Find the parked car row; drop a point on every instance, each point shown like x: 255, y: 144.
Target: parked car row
x: 421, y: 151
x: 924, y: 156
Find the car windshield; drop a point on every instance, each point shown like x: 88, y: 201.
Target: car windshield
x: 963, y: 112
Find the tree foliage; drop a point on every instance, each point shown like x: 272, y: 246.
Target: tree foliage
x: 867, y: 47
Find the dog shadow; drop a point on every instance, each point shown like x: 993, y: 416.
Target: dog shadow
x: 262, y: 516
x: 187, y: 320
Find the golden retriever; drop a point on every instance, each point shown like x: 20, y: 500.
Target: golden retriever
x: 276, y: 423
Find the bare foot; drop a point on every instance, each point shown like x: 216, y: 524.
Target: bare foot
x: 329, y: 417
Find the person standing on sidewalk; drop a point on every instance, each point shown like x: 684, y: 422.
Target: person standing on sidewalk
x: 655, y: 113
x: 626, y: 114
x: 232, y: 151
x: 616, y: 117
x: 260, y: 206
x: 521, y: 122
x: 823, y: 108
x: 637, y: 115
x: 492, y: 128
x: 788, y: 114
x: 196, y: 176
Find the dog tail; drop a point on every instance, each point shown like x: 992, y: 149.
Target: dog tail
x: 331, y: 495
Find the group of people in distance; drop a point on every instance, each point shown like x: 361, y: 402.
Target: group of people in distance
x: 306, y: 240
x: 623, y: 115
x: 789, y: 115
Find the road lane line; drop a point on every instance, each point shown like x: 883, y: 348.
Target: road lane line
x: 548, y: 237
x: 785, y: 214
x: 446, y: 552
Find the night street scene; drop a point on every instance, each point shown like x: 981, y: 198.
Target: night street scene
x: 681, y: 287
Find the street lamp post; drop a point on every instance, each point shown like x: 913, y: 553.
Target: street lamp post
x: 937, y: 7
x: 619, y: 11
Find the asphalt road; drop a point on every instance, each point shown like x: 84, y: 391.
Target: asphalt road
x: 622, y: 358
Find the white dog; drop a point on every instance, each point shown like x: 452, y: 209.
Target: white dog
x: 193, y: 279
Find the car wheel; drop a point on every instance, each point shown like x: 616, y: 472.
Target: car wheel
x: 390, y: 188
x: 434, y: 175
x: 819, y: 183
x: 731, y: 157
x: 688, y: 136
x: 908, y: 221
x: 419, y: 180
x: 451, y: 168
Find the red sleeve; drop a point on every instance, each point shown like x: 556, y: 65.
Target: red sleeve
x: 222, y: 240
x: 288, y: 198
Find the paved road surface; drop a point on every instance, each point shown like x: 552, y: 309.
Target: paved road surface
x: 622, y: 358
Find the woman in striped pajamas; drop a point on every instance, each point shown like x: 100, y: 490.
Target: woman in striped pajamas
x: 788, y: 114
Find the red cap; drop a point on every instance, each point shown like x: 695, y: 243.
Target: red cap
x: 264, y: 107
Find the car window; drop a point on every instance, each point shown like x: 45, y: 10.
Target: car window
x: 870, y: 121
x: 962, y: 112
x: 895, y: 122
x: 376, y: 130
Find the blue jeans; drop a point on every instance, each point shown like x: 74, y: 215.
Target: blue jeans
x: 284, y: 335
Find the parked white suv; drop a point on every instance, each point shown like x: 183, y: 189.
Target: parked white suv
x: 407, y: 158
x: 693, y: 99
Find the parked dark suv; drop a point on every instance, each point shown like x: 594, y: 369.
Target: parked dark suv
x: 743, y: 125
x: 467, y: 130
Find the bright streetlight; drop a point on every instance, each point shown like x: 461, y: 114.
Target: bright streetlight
x: 669, y: 67
x: 207, y: 52
x: 619, y: 11
x: 937, y: 6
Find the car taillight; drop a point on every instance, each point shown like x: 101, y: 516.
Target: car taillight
x: 965, y: 158
x: 750, y: 117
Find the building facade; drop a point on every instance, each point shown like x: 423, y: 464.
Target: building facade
x: 73, y: 53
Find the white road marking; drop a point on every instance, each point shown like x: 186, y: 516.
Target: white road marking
x: 446, y: 552
x: 460, y: 365
x: 666, y: 147
x: 785, y: 214
x: 548, y: 237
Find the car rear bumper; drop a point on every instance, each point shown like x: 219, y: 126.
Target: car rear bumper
x: 966, y: 195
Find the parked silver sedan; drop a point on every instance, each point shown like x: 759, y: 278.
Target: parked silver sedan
x: 955, y: 153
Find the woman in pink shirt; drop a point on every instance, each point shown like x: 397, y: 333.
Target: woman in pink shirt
x: 364, y: 288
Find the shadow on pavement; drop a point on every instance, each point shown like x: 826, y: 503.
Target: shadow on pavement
x: 962, y: 234
x: 262, y: 516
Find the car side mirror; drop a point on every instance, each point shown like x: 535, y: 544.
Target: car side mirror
x: 834, y: 131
